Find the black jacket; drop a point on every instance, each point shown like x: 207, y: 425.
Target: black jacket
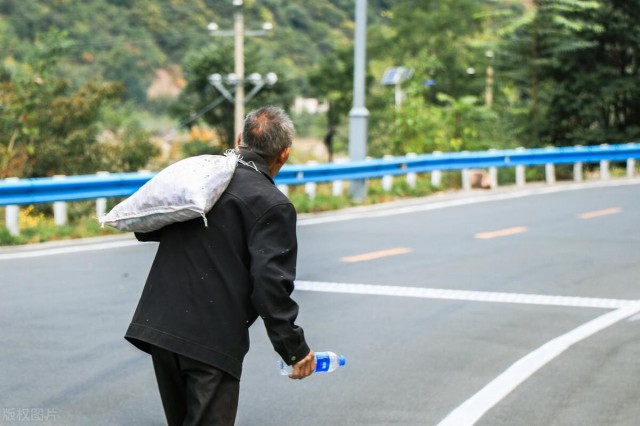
x: 207, y: 285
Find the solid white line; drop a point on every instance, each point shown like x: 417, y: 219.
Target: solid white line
x: 375, y: 212
x: 475, y: 407
x: 67, y: 250
x: 471, y: 296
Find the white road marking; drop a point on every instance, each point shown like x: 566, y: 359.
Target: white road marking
x: 475, y: 407
x: 479, y: 404
x: 471, y: 296
x: 634, y: 318
x: 67, y: 249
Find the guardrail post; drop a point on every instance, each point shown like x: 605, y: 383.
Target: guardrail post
x: 604, y: 165
x: 337, y: 186
x: 387, y: 180
x: 550, y: 173
x: 436, y: 175
x: 284, y: 189
x: 577, y: 172
x: 12, y: 214
x: 520, y: 172
x: 493, y: 174
x: 466, y: 177
x: 577, y: 168
x: 411, y: 176
x: 101, y: 203
x: 310, y: 187
x: 59, y: 207
x: 631, y: 167
x: 550, y: 170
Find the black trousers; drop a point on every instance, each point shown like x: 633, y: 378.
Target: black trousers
x: 194, y: 393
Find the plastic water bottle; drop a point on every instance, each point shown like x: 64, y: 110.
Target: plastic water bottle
x: 326, y: 362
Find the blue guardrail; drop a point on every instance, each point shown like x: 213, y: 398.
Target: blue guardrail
x: 71, y: 188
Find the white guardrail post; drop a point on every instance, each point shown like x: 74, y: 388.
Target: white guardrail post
x: 493, y: 174
x: 387, y: 180
x: 337, y: 186
x: 631, y: 163
x: 550, y: 170
x: 577, y: 168
x: 520, y: 171
x: 466, y: 176
x: 310, y: 187
x: 412, y: 177
x: 59, y: 207
x: 604, y: 165
x: 12, y: 214
x: 436, y: 175
x: 101, y: 203
x: 284, y: 189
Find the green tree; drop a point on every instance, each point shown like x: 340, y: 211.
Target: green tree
x: 48, y: 127
x: 595, y: 74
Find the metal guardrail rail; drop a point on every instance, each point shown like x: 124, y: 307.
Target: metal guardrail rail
x: 46, y: 190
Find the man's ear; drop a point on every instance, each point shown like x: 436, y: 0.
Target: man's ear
x: 238, y: 139
x: 278, y: 162
x: 284, y: 155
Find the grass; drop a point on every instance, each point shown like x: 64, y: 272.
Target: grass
x: 37, y: 225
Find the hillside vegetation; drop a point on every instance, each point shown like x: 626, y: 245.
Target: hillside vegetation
x: 119, y: 85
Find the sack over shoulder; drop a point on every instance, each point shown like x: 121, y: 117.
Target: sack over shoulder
x: 183, y: 191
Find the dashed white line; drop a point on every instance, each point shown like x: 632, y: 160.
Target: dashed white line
x: 375, y: 255
x: 501, y: 233
x: 600, y: 213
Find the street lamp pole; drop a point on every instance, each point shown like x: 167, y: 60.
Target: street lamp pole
x: 238, y: 29
x: 359, y: 114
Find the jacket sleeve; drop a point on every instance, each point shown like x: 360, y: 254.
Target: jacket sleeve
x: 273, y: 249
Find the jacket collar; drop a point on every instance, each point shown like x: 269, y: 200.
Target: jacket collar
x: 252, y: 158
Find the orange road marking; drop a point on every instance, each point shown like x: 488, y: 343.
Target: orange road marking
x: 600, y: 213
x: 375, y: 255
x: 501, y: 233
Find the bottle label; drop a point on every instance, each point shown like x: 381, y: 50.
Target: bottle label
x: 322, y: 363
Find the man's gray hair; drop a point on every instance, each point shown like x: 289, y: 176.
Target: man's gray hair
x: 267, y: 131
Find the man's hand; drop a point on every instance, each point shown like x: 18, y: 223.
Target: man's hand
x: 304, y: 368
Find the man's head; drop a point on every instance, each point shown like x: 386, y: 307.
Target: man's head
x: 268, y: 132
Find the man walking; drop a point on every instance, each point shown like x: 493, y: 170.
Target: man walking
x: 207, y: 285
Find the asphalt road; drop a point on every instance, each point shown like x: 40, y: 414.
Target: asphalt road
x: 512, y: 308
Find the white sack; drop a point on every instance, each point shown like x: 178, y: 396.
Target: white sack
x: 182, y: 191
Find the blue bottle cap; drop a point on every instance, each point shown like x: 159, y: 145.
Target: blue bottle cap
x: 342, y: 360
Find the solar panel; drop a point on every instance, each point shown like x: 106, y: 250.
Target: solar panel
x: 395, y: 75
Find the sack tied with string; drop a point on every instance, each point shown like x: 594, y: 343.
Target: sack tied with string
x: 182, y: 191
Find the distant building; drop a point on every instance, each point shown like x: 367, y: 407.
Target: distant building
x: 309, y: 106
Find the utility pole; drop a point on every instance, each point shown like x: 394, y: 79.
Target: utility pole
x: 488, y: 92
x: 359, y: 114
x: 237, y: 79
x: 238, y: 29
